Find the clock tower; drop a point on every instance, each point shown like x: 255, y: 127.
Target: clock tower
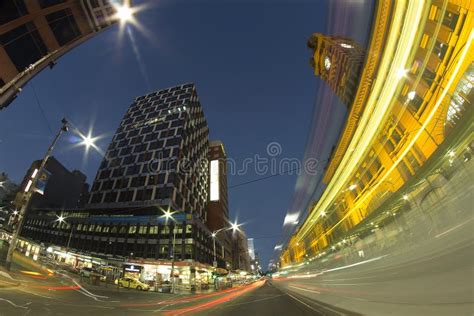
x: 338, y: 61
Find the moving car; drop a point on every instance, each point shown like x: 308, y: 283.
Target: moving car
x: 133, y: 284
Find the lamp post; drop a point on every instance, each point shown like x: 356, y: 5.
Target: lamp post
x: 31, y: 186
x: 61, y: 220
x: 169, y: 215
x: 214, y: 235
x: 29, y: 192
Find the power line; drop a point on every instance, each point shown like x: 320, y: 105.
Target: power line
x: 264, y: 178
x: 40, y: 107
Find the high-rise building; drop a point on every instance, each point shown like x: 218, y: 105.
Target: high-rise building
x: 241, y: 258
x: 157, y: 161
x: 218, y: 207
x: 337, y: 61
x: 35, y: 33
x: 158, y: 156
x: 61, y: 189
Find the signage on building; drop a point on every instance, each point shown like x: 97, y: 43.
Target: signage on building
x: 132, y: 268
x: 214, y: 183
x: 42, y: 181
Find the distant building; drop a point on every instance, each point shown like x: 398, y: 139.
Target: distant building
x: 35, y: 33
x: 217, y: 208
x: 157, y: 161
x: 338, y: 61
x: 251, y: 247
x: 241, y: 258
x: 63, y: 189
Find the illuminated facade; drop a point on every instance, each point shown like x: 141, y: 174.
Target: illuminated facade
x: 421, y: 94
x: 35, y: 33
x: 337, y: 61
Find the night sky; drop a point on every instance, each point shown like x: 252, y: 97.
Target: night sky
x: 250, y: 64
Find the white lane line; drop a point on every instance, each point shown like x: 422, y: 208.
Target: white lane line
x: 355, y: 264
x: 303, y: 289
x: 322, y: 306
x: 453, y: 228
x: 13, y: 304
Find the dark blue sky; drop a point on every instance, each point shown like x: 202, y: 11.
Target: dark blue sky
x: 248, y: 60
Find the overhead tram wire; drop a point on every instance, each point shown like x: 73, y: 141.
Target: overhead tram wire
x: 41, y: 107
x: 264, y: 178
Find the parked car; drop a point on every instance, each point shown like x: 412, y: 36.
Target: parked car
x: 132, y: 284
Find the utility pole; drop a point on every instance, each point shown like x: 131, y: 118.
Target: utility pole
x: 29, y: 193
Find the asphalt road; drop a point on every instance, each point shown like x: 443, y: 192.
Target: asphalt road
x: 269, y: 300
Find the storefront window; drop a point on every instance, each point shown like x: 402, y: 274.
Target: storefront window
x: 142, y: 230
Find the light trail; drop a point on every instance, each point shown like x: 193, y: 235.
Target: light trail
x: 378, y: 104
x: 138, y: 56
x: 420, y: 131
x: 216, y: 302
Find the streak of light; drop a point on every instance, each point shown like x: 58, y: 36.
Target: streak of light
x: 30, y: 273
x: 355, y: 264
x: 304, y: 289
x: 13, y: 304
x: 138, y: 56
x: 216, y: 302
x: 453, y: 228
x: 183, y: 300
x: 397, y: 52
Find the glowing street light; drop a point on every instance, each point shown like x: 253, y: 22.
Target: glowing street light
x: 124, y: 13
x: 352, y: 187
x: 88, y: 141
x: 61, y: 219
x: 234, y: 226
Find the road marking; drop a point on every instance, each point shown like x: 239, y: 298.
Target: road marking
x: 453, y: 228
x: 355, y: 264
x: 13, y: 304
x: 303, y: 289
x: 320, y: 305
x: 298, y: 300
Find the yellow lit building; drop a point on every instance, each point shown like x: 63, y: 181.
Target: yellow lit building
x: 409, y: 100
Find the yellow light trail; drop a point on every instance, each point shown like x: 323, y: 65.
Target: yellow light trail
x: 378, y: 103
x: 420, y: 131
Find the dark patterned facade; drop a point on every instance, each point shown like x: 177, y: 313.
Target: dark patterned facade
x: 158, y: 155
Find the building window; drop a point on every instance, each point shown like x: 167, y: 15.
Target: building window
x: 440, y: 49
x: 11, y: 10
x: 142, y: 230
x: 450, y: 19
x: 64, y: 26
x: 415, y: 104
x: 153, y: 230
x: 428, y: 76
x: 23, y: 45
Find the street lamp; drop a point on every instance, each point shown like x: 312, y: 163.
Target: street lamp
x: 168, y: 215
x: 61, y: 219
x: 214, y: 235
x: 27, y: 195
x: 124, y: 13
x: 31, y: 188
